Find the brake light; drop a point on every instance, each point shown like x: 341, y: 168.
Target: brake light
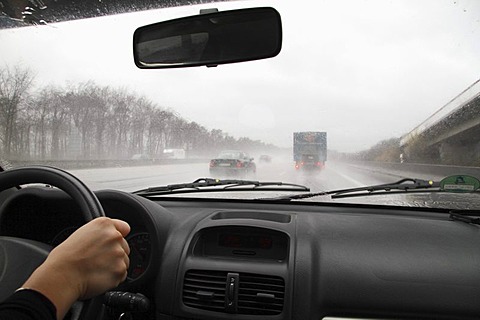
x: 319, y: 164
x: 212, y: 163
x: 239, y: 164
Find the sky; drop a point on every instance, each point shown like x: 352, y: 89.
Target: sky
x: 361, y: 70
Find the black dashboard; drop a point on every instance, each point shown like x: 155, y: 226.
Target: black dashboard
x: 232, y: 259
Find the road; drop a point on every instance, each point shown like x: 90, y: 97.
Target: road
x: 334, y: 176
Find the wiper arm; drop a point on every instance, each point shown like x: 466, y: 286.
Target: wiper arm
x: 404, y: 185
x: 212, y: 185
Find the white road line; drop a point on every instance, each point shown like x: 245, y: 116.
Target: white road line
x: 356, y: 182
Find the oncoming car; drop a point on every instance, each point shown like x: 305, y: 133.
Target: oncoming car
x: 387, y: 229
x: 232, y: 162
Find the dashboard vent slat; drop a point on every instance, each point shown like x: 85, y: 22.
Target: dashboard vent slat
x: 257, y: 294
x: 196, y: 283
x: 253, y: 287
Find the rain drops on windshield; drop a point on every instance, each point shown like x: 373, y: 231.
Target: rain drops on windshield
x: 392, y: 86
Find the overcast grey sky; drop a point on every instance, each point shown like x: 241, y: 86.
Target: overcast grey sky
x: 361, y: 70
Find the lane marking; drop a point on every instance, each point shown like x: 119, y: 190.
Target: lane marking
x: 358, y: 183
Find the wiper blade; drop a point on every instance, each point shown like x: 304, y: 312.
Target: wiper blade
x: 403, y: 185
x: 216, y: 185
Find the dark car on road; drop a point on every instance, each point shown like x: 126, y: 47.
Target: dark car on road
x: 265, y: 158
x: 232, y: 162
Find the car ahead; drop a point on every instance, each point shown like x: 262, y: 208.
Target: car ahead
x: 83, y: 87
x: 265, y: 158
x: 232, y: 162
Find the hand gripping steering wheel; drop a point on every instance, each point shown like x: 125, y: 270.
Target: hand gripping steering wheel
x: 20, y: 257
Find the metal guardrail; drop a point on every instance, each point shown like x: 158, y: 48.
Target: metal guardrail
x: 467, y: 95
x: 87, y: 164
x: 415, y: 170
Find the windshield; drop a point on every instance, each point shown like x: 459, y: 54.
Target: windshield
x: 362, y: 93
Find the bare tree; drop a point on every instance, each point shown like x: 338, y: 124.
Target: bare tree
x: 14, y: 85
x: 93, y: 122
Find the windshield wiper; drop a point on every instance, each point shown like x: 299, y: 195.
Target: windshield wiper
x: 401, y: 186
x: 216, y: 185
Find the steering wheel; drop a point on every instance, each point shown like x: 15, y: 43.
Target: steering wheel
x: 20, y: 257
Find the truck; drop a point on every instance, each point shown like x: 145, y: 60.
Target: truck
x: 174, y: 153
x: 309, y: 150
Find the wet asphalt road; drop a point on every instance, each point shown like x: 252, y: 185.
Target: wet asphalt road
x: 335, y: 175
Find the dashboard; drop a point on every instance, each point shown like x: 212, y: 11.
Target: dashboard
x: 232, y: 259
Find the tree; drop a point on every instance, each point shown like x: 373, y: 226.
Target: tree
x: 94, y: 122
x: 14, y: 86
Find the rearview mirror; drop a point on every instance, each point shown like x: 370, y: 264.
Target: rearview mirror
x: 209, y: 39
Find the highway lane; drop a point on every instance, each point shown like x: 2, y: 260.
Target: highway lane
x: 335, y: 175
x: 139, y: 177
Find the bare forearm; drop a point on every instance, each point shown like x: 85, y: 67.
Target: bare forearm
x: 55, y: 285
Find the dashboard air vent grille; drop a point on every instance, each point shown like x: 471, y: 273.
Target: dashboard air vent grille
x: 205, y: 290
x: 254, y: 294
x: 260, y: 294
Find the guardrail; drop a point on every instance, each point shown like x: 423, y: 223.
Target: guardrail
x: 87, y: 164
x: 415, y: 170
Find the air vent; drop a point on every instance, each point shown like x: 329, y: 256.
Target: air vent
x: 205, y: 290
x: 255, y: 295
x: 260, y: 295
